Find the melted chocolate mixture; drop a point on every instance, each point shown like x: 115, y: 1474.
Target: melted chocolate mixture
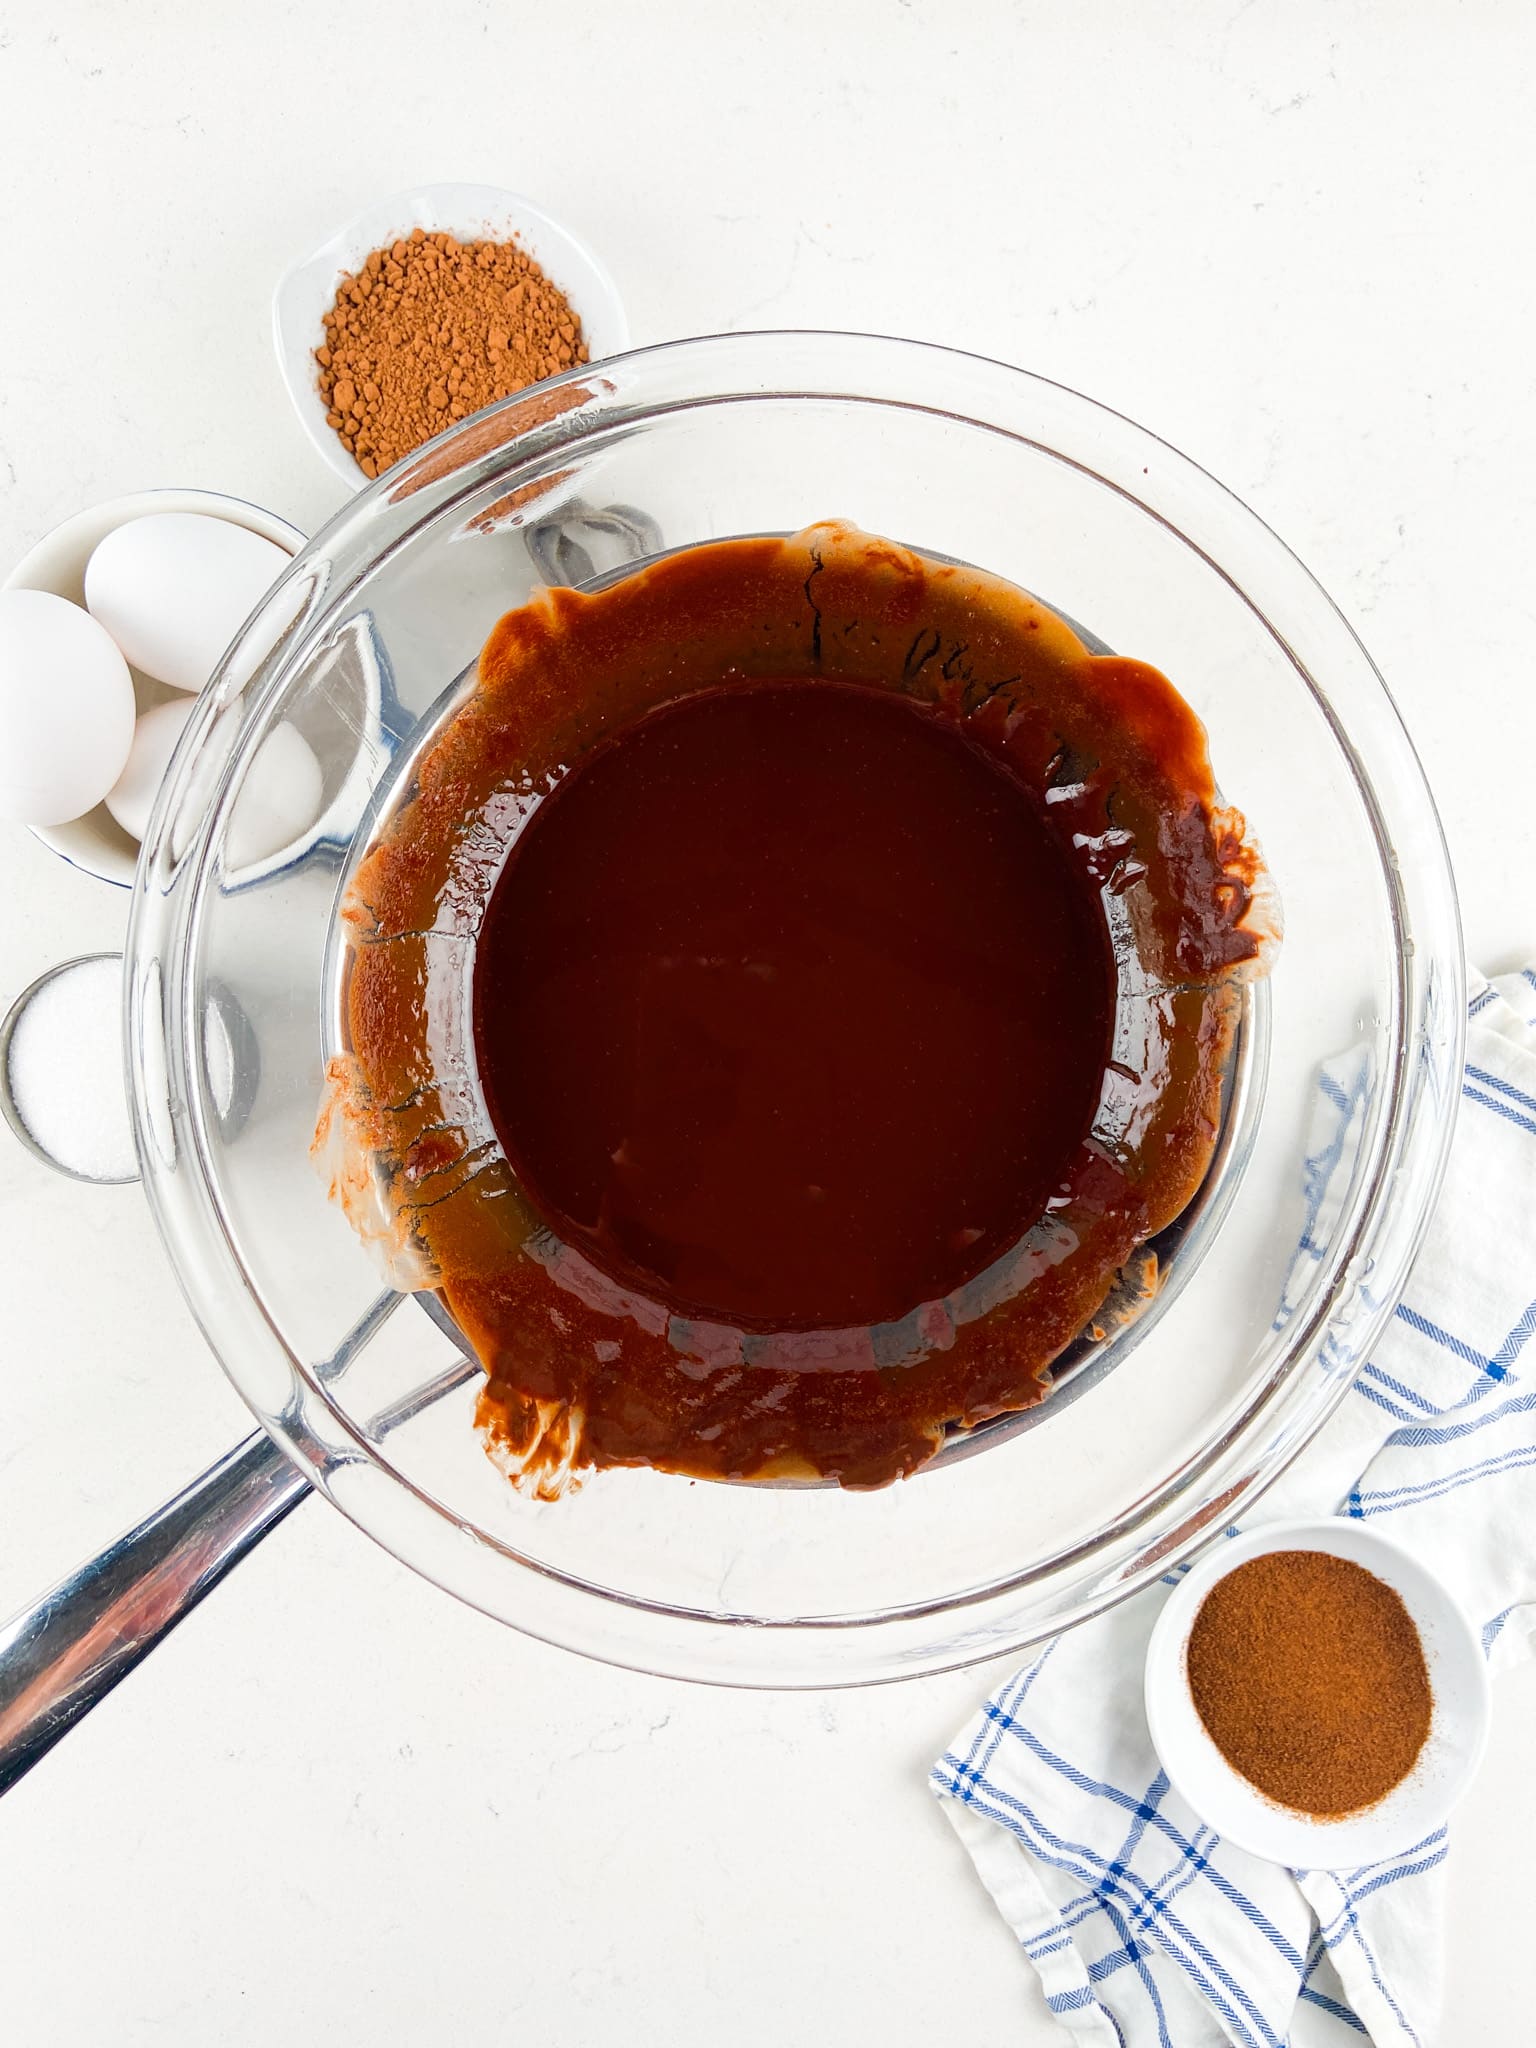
x: 790, y: 1008
x: 796, y: 987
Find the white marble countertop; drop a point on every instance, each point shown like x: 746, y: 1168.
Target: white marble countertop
x: 1290, y: 235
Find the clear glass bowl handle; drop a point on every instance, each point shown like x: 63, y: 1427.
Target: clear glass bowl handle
x: 65, y: 1653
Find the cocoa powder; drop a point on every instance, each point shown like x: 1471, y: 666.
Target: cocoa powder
x: 429, y: 330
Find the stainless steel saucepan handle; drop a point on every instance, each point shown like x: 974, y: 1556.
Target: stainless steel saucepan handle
x: 62, y: 1655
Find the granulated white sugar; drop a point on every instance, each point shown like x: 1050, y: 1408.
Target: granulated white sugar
x: 64, y: 1071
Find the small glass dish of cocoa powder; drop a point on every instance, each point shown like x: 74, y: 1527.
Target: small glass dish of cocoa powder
x: 468, y: 214
x: 1316, y: 1694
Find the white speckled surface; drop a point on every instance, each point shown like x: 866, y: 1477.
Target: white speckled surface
x: 1292, y: 238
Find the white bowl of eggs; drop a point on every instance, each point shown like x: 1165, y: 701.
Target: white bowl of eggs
x: 108, y: 629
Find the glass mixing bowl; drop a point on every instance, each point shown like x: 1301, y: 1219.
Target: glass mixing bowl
x: 1334, y: 1132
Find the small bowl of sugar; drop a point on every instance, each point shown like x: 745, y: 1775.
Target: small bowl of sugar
x: 62, y: 1085
x: 63, y: 1081
x: 1316, y: 1694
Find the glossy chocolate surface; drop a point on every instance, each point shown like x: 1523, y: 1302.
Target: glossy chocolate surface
x: 790, y: 1007
x: 801, y: 979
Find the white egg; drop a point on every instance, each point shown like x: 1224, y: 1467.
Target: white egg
x: 278, y: 800
x: 174, y: 588
x: 132, y: 796
x: 66, y: 709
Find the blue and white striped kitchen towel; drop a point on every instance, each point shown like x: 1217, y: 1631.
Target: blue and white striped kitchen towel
x: 1144, y: 1926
